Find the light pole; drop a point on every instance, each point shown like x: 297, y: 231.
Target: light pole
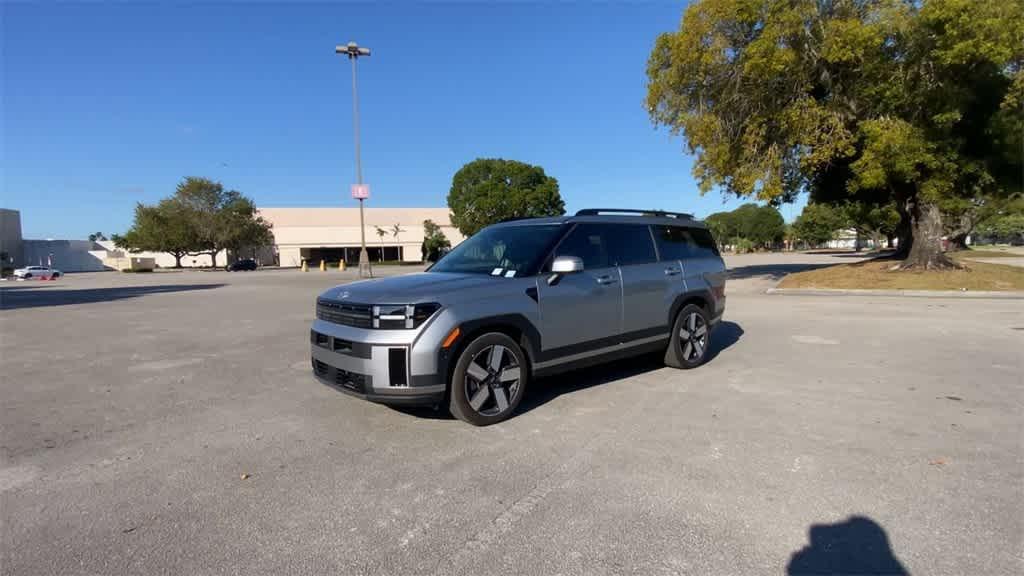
x: 354, y: 51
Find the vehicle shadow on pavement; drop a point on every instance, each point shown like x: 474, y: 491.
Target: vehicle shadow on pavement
x: 543, y: 390
x: 13, y: 300
x: 724, y: 335
x: 856, y: 546
x: 774, y: 271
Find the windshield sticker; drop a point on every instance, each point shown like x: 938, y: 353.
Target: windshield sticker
x: 496, y: 272
x: 510, y: 273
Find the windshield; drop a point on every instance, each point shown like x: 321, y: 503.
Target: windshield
x: 501, y: 251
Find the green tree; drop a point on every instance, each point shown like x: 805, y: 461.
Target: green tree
x: 762, y: 225
x: 165, y: 227
x: 963, y: 217
x: 434, y: 241
x: 1007, y: 225
x: 240, y: 226
x: 199, y: 218
x: 490, y: 190
x: 723, y: 227
x: 757, y: 226
x: 876, y: 101
x: 818, y: 223
x: 220, y: 219
x: 97, y: 236
x: 381, y: 233
x: 871, y: 220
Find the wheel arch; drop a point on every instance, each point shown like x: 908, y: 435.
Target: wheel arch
x: 701, y: 298
x: 515, y: 326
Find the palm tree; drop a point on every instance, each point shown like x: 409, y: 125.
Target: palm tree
x: 381, y: 233
x: 395, y: 231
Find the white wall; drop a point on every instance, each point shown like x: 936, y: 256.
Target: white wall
x: 163, y: 259
x: 64, y: 255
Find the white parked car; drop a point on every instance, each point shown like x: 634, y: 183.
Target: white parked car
x: 37, y: 272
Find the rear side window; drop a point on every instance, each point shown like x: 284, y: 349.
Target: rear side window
x: 630, y: 244
x: 679, y: 243
x: 705, y: 241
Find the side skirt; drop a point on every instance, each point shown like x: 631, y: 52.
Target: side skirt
x: 602, y: 356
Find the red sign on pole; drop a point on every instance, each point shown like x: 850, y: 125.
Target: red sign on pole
x: 360, y: 191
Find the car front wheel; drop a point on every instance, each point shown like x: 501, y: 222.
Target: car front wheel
x: 489, y: 380
x: 691, y: 335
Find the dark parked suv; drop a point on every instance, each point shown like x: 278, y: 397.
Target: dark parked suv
x: 519, y: 300
x: 244, y: 264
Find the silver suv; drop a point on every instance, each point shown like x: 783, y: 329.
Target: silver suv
x: 522, y: 299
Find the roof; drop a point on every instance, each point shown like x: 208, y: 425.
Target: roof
x: 639, y: 217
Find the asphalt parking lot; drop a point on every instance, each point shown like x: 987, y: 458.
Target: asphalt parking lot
x: 168, y: 424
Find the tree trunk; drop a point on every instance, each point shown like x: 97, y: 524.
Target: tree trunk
x: 890, y: 242
x: 177, y: 259
x: 926, y: 231
x: 876, y: 241
x: 964, y: 225
x: 904, y: 233
x: 213, y: 258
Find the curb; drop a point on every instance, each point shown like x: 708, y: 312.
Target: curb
x: 981, y: 294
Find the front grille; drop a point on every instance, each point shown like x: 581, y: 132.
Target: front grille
x: 342, y: 378
x: 357, y: 315
x: 349, y: 380
x: 320, y: 368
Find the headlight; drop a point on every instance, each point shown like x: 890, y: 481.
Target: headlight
x: 402, y: 316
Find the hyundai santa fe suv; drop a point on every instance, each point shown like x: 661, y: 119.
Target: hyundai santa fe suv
x: 522, y: 299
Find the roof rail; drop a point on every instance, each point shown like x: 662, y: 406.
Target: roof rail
x: 655, y: 213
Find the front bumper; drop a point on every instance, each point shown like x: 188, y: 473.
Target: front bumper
x: 403, y: 399
x: 386, y: 366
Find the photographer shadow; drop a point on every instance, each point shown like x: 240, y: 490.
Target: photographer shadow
x: 856, y: 546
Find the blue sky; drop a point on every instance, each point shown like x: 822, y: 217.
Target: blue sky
x: 106, y: 105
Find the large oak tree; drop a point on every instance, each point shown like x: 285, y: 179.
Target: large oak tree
x: 489, y: 190
x: 200, y: 218
x: 918, y: 104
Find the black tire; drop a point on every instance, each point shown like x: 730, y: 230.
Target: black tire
x: 688, y: 347
x: 484, y: 395
x: 56, y: 274
x: 27, y: 276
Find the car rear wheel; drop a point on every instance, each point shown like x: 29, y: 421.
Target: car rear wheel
x: 489, y: 380
x: 691, y: 335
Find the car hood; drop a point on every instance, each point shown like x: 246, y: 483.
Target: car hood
x: 440, y: 287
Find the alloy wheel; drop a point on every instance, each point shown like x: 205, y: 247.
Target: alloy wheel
x: 492, y: 379
x: 693, y: 337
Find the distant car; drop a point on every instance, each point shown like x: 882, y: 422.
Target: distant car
x: 37, y: 272
x: 244, y: 264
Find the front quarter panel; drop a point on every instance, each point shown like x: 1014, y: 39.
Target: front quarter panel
x: 502, y: 303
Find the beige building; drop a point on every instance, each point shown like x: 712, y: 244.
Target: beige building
x: 311, y: 234
x: 332, y: 234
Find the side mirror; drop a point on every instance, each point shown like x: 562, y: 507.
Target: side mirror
x: 564, y: 265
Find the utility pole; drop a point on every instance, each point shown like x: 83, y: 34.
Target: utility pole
x: 359, y: 191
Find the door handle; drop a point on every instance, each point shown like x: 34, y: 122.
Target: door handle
x: 606, y: 279
x: 672, y: 271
